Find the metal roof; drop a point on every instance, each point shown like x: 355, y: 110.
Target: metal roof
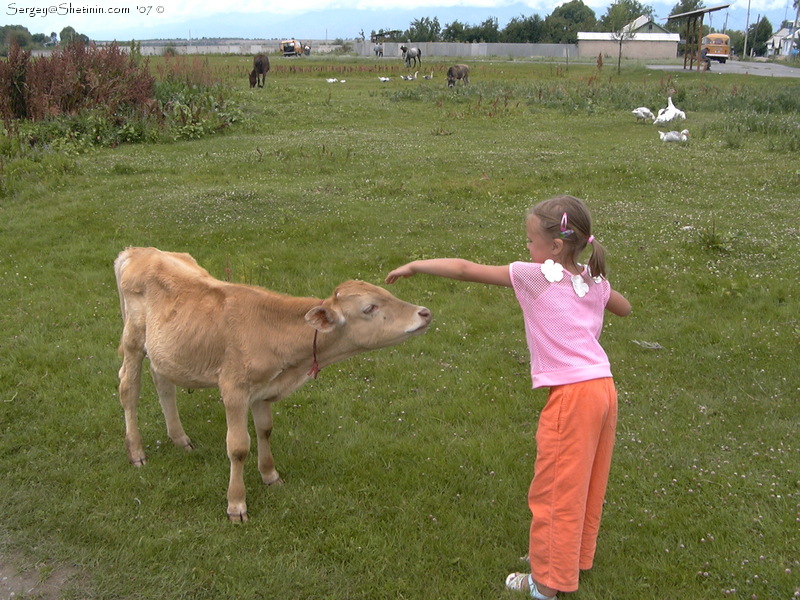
x: 699, y: 11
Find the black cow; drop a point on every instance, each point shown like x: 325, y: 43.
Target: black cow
x: 260, y: 69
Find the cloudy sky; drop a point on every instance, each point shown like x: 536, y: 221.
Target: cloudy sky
x: 312, y: 19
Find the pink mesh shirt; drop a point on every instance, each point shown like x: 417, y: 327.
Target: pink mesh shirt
x: 561, y: 327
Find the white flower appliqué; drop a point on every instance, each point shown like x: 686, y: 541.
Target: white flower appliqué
x: 552, y: 271
x: 597, y: 279
x: 580, y: 286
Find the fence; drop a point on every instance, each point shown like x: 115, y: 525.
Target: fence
x: 359, y: 47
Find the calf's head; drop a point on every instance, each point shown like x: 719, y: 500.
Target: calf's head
x: 368, y: 316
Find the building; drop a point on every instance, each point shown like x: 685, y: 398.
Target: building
x: 784, y: 42
x: 642, y: 39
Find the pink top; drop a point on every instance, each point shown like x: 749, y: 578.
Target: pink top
x: 563, y: 321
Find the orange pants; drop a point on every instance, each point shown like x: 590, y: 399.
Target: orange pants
x: 574, y: 443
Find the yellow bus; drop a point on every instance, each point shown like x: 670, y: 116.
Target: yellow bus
x: 718, y: 46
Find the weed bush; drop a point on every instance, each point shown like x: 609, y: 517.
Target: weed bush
x: 84, y: 96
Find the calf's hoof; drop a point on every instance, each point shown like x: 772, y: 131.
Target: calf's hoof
x: 272, y: 478
x: 185, y: 443
x: 237, y: 516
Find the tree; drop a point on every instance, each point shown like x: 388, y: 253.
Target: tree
x: 424, y: 30
x: 621, y: 36
x: 454, y: 32
x: 69, y: 35
x: 683, y: 6
x: 564, y: 23
x: 488, y: 32
x: 14, y: 34
x: 622, y: 12
x: 737, y: 42
x: 523, y: 30
x: 758, y: 34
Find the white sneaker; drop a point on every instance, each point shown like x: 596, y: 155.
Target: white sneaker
x: 523, y: 582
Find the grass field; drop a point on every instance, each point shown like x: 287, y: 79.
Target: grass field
x: 407, y: 469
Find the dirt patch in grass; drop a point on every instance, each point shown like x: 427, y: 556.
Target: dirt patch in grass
x: 20, y: 579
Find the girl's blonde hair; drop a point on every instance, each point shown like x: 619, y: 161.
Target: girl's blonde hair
x: 567, y: 218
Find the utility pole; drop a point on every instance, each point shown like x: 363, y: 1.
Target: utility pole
x: 746, y: 27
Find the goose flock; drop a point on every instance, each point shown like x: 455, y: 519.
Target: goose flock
x: 405, y: 77
x: 665, y: 115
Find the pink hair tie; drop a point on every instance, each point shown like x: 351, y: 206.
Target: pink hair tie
x: 590, y: 240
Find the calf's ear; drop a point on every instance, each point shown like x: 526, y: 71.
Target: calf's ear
x: 324, y: 318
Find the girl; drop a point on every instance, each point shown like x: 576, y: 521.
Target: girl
x: 562, y: 305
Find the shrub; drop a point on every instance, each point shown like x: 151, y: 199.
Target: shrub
x: 84, y: 96
x: 73, y: 78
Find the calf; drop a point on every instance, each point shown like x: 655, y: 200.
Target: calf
x: 457, y: 72
x: 255, y: 345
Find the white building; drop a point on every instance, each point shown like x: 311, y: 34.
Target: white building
x: 643, y: 39
x: 784, y: 42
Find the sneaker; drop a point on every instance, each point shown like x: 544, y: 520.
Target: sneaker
x: 523, y: 582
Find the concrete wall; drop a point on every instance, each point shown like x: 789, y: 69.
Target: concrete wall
x: 642, y: 50
x: 361, y: 48
x: 158, y: 47
x: 630, y: 49
x: 477, y: 50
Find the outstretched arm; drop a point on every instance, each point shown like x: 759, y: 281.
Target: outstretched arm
x: 454, y: 268
x: 618, y: 305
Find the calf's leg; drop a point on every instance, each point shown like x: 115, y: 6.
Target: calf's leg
x: 130, y: 379
x: 262, y: 417
x: 238, y: 445
x: 167, y: 397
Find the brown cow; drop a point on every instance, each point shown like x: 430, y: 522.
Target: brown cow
x: 255, y: 345
x: 260, y: 69
x: 457, y: 72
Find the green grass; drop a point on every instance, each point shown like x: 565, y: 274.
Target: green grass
x: 407, y: 469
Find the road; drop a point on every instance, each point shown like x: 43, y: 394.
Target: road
x: 761, y: 69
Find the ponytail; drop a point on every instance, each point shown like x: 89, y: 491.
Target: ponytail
x: 597, y: 261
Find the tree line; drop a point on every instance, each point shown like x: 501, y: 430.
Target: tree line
x: 562, y: 26
x: 19, y: 35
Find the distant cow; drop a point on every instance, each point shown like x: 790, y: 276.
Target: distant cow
x: 255, y: 345
x: 258, y: 76
x: 457, y: 72
x: 411, y: 54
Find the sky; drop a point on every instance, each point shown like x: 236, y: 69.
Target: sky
x: 123, y: 20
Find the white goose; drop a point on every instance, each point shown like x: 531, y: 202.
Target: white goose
x: 428, y: 76
x: 674, y: 136
x: 642, y: 114
x: 332, y: 80
x: 410, y: 77
x: 665, y: 115
x: 384, y: 79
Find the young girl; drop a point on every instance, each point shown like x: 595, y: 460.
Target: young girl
x: 562, y: 305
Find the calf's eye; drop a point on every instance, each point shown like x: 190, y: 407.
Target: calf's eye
x: 368, y: 309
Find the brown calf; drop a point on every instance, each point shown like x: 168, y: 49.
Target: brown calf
x: 255, y: 345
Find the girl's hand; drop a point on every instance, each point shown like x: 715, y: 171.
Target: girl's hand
x: 404, y: 271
